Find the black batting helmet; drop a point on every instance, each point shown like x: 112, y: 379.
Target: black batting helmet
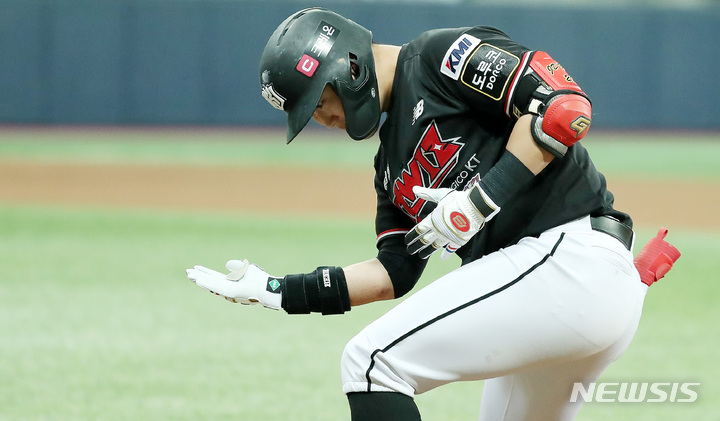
x: 311, y: 49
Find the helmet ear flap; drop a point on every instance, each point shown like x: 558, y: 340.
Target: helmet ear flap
x: 359, y: 96
x: 361, y: 103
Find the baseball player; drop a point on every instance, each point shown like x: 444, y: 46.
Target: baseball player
x: 479, y: 157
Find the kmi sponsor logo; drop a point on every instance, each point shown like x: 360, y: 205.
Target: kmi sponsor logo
x: 456, y: 55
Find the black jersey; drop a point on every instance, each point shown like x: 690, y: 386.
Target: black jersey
x: 452, y: 110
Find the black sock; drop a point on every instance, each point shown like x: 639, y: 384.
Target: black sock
x: 382, y: 406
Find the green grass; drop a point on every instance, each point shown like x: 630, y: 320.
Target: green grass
x: 187, y: 147
x: 640, y: 155
x: 98, y: 321
x: 681, y: 156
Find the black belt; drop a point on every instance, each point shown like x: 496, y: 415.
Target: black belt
x: 613, y: 228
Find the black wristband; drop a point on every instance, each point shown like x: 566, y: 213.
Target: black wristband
x: 321, y: 291
x: 294, y: 297
x: 505, y: 178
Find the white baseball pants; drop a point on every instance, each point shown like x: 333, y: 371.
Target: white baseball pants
x: 531, y: 319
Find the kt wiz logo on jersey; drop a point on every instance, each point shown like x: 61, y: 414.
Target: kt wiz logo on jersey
x: 433, y: 159
x: 456, y: 55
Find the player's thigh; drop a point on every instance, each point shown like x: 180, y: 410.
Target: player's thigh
x: 545, y: 393
x: 411, y: 344
x: 510, y: 311
x: 541, y: 394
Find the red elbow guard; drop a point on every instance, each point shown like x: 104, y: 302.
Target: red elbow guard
x: 564, y: 121
x: 656, y: 258
x: 567, y: 118
x: 565, y: 115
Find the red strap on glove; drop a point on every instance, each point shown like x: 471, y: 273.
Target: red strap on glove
x: 656, y: 258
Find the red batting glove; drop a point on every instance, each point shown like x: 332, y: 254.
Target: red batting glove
x: 656, y: 258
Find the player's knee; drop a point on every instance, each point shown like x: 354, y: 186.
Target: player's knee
x: 365, y: 368
x: 353, y: 362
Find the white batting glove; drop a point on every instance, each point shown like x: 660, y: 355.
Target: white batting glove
x: 458, y: 216
x: 245, y: 284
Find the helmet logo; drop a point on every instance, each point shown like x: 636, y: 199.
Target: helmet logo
x: 273, y: 97
x: 317, y: 49
x: 323, y: 40
x: 307, y: 65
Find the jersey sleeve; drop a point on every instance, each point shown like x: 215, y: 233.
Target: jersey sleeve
x: 391, y: 225
x: 478, y: 67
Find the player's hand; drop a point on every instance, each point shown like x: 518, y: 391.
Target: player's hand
x: 455, y: 220
x: 245, y: 284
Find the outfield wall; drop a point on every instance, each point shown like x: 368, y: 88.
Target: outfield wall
x: 195, y: 61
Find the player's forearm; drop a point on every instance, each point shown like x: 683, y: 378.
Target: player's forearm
x: 518, y: 166
x: 326, y: 290
x: 368, y: 282
x: 525, y: 148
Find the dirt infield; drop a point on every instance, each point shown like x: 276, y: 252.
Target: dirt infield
x: 296, y: 191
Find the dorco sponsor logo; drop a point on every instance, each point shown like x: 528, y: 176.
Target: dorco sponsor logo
x: 635, y: 392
